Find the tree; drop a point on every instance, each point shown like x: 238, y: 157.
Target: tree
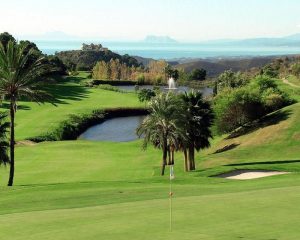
x: 236, y: 107
x: 18, y: 79
x: 102, y: 71
x: 163, y: 126
x: 230, y: 79
x: 270, y: 70
x: 4, y: 159
x: 115, y: 67
x: 295, y: 68
x: 5, y: 37
x: 170, y: 72
x: 145, y: 95
x: 198, y: 74
x: 198, y: 121
x: 175, y: 74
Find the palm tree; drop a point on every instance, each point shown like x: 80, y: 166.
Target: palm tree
x: 3, y: 139
x: 163, y: 126
x: 19, y: 79
x: 199, y: 119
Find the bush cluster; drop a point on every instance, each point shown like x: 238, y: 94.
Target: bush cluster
x: 235, y: 107
x: 110, y: 88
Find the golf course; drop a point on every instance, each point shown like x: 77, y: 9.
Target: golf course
x: 80, y: 189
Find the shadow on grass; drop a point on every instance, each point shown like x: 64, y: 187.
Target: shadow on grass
x: 68, y: 92
x: 59, y: 94
x: 5, y: 105
x: 268, y: 120
x: 94, y: 183
x: 73, y: 79
x: 226, y: 148
x: 263, y: 163
x: 60, y: 88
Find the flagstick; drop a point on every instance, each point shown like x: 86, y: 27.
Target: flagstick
x: 170, y: 197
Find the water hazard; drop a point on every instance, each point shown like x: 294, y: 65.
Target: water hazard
x: 120, y: 129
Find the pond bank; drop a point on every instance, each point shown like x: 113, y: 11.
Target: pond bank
x: 71, y: 128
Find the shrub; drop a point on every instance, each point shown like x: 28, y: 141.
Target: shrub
x: 141, y: 79
x: 270, y: 70
x: 156, y: 89
x: 230, y: 79
x: 295, y: 69
x: 263, y: 83
x: 198, y: 74
x: 110, y: 88
x: 136, y: 88
x: 145, y: 95
x: 273, y: 101
x: 235, y: 107
x: 158, y: 80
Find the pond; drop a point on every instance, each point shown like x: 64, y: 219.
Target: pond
x: 120, y: 129
x: 206, y: 91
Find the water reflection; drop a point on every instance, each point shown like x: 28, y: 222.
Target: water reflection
x: 206, y: 91
x: 121, y: 129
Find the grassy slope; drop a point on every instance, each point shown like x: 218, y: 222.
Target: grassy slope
x: 92, y: 190
x: 277, y: 141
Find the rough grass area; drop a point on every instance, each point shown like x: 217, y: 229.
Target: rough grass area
x: 274, y: 146
x: 294, y: 80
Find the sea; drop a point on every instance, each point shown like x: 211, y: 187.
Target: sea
x: 171, y: 51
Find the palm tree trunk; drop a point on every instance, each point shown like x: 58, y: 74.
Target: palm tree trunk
x: 12, y: 142
x: 164, y: 161
x: 169, y: 157
x: 186, y: 165
x: 192, y: 158
x: 172, y: 157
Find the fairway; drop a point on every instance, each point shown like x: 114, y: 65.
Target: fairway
x: 104, y: 190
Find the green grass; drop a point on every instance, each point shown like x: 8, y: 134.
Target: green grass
x: 294, y: 80
x: 294, y: 92
x: 33, y: 119
x: 104, y: 190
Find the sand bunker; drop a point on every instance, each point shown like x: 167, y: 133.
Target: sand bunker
x: 249, y: 174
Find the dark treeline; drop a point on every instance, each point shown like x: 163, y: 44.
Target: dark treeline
x: 55, y: 62
x: 86, y: 58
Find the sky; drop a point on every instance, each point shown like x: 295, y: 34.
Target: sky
x: 183, y: 20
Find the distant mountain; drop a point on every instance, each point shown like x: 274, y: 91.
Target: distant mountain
x: 146, y: 61
x: 288, y: 41
x: 159, y: 39
x: 293, y: 37
x: 143, y: 60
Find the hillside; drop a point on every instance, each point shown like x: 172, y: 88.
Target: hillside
x: 216, y: 67
x: 271, y: 143
x: 87, y: 59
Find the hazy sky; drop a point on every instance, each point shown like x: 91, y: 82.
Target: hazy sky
x: 185, y: 20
